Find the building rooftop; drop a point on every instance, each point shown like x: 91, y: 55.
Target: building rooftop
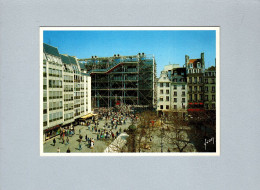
x: 50, y: 50
x: 65, y: 59
x: 72, y: 60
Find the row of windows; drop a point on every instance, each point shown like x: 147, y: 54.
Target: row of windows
x: 55, y: 84
x: 55, y: 94
x: 212, y: 98
x: 68, y: 78
x: 68, y: 116
x: 168, y: 99
x: 212, y: 81
x: 210, y: 74
x: 55, y: 116
x: 68, y: 107
x: 68, y: 88
x: 55, y: 105
x: 174, y: 93
x: 68, y: 97
x: 168, y: 107
x: 168, y: 85
x: 212, y: 89
x: 194, y: 71
x: 55, y: 72
x: 195, y: 79
x: 78, y: 78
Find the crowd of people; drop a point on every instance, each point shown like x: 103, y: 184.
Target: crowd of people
x: 113, y: 119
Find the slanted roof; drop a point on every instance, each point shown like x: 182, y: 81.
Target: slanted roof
x: 82, y: 66
x: 212, y: 68
x: 194, y: 62
x: 65, y: 59
x: 50, y: 50
x: 72, y: 60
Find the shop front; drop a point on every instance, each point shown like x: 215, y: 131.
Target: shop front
x: 51, y: 132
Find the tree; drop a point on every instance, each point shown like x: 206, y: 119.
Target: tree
x: 176, y: 134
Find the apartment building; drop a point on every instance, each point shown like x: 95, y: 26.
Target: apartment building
x: 172, y: 90
x: 210, y: 88
x: 179, y: 89
x: 195, y: 76
x: 66, y: 91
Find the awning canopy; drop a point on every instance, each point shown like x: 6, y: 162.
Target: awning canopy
x: 87, y: 116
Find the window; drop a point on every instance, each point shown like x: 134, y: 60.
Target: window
x: 167, y: 92
x: 174, y: 87
x: 190, y: 88
x: 206, y: 97
x: 206, y: 89
x: 183, y: 93
x: 183, y: 87
x: 50, y: 117
x: 161, y: 91
x: 195, y: 79
x: 45, y: 109
x: 183, y: 100
x: 175, y: 93
x: 213, y: 81
x: 161, y: 84
x: 167, y: 107
x: 195, y: 88
x: 200, y: 79
x: 213, y: 106
x: 175, y: 107
x: 200, y: 97
x: 213, y: 88
x: 161, y: 99
x: 206, y: 81
x: 213, y: 97
x: 190, y: 97
x: 175, y: 99
x: 161, y: 107
x: 195, y: 97
x: 167, y: 84
x: 167, y: 98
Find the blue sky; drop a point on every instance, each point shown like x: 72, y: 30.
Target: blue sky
x: 168, y: 46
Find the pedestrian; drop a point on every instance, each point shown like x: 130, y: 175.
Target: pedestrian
x: 97, y: 136
x: 54, y: 141
x: 58, y: 149
x: 79, y: 131
x: 80, y: 146
x: 113, y: 135
x: 86, y: 138
x: 68, y: 150
x: 67, y: 140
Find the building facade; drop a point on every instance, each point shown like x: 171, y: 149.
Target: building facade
x: 195, y: 69
x: 179, y: 89
x: 210, y: 88
x: 66, y: 91
x: 172, y: 90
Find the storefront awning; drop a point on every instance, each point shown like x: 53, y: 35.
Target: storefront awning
x: 87, y: 116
